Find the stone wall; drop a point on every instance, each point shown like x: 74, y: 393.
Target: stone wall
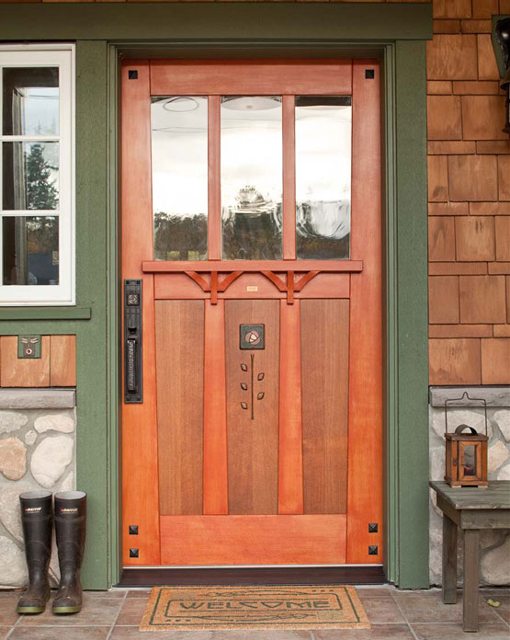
x: 37, y: 451
x: 495, y: 546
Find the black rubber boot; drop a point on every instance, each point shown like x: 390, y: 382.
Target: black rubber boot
x: 36, y: 518
x: 70, y: 520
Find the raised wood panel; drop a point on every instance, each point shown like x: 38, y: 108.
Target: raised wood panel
x: 271, y: 77
x: 365, y: 473
x: 179, y: 367
x: 325, y: 380
x: 252, y: 431
x: 215, y: 412
x: 16, y: 372
x: 290, y: 471
x: 140, y: 497
x: 63, y: 361
x: 253, y: 540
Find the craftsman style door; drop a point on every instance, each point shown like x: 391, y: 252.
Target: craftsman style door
x: 251, y: 266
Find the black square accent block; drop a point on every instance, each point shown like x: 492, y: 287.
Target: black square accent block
x: 373, y: 550
x: 133, y: 529
x: 134, y: 553
x: 373, y: 527
x: 369, y: 74
x: 252, y: 336
x: 133, y: 74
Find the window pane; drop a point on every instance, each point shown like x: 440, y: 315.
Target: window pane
x: 30, y: 250
x: 30, y: 175
x: 251, y: 177
x: 179, y: 177
x: 30, y: 101
x: 323, y: 177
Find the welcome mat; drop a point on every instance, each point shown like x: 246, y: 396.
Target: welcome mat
x: 268, y: 607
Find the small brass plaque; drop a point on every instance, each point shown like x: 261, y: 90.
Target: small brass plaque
x: 252, y: 336
x: 252, y: 288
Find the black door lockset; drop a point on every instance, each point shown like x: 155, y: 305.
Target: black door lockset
x: 133, y: 341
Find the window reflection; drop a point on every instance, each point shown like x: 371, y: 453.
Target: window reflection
x: 251, y: 177
x: 30, y: 101
x: 30, y: 175
x: 30, y: 250
x: 323, y: 176
x: 179, y: 177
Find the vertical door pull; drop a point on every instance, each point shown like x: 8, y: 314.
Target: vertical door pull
x: 133, y: 341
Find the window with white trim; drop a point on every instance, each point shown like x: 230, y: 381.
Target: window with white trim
x: 37, y: 175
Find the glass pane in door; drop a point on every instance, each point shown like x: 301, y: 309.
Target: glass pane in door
x: 323, y: 176
x: 251, y: 177
x: 179, y: 177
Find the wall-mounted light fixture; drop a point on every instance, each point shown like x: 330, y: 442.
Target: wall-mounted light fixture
x: 503, y: 36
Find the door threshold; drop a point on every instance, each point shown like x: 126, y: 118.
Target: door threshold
x: 158, y: 576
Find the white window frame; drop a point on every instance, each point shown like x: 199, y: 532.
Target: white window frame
x: 63, y: 57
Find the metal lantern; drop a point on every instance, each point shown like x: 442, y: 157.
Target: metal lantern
x: 466, y: 451
x: 503, y: 36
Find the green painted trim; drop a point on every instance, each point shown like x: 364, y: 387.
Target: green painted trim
x: 113, y: 324
x: 45, y: 313
x: 93, y: 433
x: 410, y: 348
x: 236, y: 21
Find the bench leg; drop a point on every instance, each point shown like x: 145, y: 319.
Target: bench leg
x: 471, y: 579
x: 449, y: 561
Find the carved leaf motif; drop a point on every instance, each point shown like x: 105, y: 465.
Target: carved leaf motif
x: 244, y: 405
x: 244, y: 386
x: 260, y: 395
x: 244, y: 366
x: 261, y: 376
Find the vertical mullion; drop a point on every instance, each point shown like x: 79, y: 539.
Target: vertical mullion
x: 1, y: 175
x: 214, y: 182
x: 289, y: 178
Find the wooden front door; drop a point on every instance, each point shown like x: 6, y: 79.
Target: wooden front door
x: 251, y: 266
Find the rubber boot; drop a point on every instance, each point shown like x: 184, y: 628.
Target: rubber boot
x: 70, y: 520
x: 36, y: 518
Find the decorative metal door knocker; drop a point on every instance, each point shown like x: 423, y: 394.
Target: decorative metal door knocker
x: 466, y: 450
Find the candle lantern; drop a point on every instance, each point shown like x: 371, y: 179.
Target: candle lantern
x: 466, y: 449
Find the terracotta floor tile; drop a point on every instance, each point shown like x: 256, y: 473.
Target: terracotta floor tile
x: 95, y: 612
x: 377, y: 632
x: 132, y: 633
x: 382, y: 610
x: 66, y: 633
x: 455, y: 632
x: 261, y: 635
x: 4, y: 631
x: 8, y: 615
x: 428, y: 607
x: 132, y: 611
x: 139, y: 593
x: 504, y: 609
x: 375, y: 592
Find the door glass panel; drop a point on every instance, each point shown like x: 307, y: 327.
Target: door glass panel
x: 30, y: 250
x: 251, y: 177
x: 30, y: 175
x: 179, y: 177
x: 323, y: 176
x: 30, y: 101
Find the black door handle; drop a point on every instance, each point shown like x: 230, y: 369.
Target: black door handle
x: 133, y: 341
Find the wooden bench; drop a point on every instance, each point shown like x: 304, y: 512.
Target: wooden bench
x: 472, y: 510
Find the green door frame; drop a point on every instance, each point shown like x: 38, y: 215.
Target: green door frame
x: 396, y: 33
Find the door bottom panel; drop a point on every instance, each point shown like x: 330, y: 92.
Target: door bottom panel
x: 253, y: 540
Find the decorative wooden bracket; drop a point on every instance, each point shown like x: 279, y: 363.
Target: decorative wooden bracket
x: 215, y: 285
x: 292, y: 283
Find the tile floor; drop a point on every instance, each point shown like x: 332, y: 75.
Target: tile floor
x: 395, y: 615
